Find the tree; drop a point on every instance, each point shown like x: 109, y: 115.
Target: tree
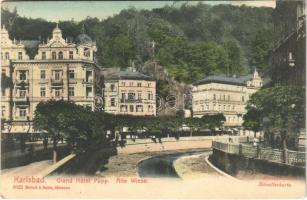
x: 284, y: 107
x: 56, y: 119
x: 261, y: 49
x: 252, y: 120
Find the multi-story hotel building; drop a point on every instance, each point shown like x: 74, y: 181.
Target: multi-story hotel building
x: 60, y: 70
x: 226, y: 95
x: 129, y: 92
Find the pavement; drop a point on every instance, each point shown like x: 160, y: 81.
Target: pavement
x: 32, y: 169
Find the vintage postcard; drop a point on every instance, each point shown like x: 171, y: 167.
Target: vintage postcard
x: 153, y: 99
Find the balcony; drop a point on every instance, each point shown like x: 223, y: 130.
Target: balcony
x: 55, y: 82
x: 21, y: 118
x: 131, y: 100
x: 87, y: 81
x: 21, y: 99
x: 22, y: 82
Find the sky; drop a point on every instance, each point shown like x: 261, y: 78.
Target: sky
x: 78, y: 10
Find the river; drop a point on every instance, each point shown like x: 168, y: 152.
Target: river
x: 162, y: 166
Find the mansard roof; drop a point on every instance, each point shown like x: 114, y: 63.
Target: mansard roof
x: 117, y: 74
x: 241, y: 81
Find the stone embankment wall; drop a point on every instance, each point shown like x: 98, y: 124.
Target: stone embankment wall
x: 234, y: 163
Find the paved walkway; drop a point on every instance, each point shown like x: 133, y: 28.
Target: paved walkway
x: 32, y: 169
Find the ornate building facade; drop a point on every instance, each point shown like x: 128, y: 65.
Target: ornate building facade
x: 60, y: 70
x: 226, y: 95
x: 129, y: 92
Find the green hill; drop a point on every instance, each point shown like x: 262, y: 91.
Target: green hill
x: 191, y: 41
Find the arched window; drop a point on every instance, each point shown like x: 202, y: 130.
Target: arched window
x: 53, y: 55
x: 60, y: 55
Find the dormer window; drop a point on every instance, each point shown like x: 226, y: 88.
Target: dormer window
x: 19, y: 55
x: 43, y: 55
x: 60, y: 55
x: 71, y: 55
x: 53, y: 55
x: 86, y: 52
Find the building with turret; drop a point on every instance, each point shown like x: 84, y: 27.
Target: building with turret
x: 226, y: 95
x: 61, y: 69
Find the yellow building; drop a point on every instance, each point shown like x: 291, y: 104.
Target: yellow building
x: 129, y: 92
x: 226, y: 95
x: 59, y: 70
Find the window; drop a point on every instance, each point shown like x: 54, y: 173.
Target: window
x: 86, y: 52
x: 71, y: 55
x: 57, y: 93
x: 3, y: 92
x: 7, y: 56
x: 123, y: 83
x: 150, y: 96
x: 242, y: 98
x: 214, y: 96
x: 139, y: 108
x: 131, y: 84
x: 71, y: 91
x: 22, y: 75
x: 71, y: 74
x: 123, y: 108
x: 149, y: 84
x: 43, y: 55
x: 43, y: 74
x: 22, y: 112
x: 131, y: 108
x: 1, y: 56
x: 3, y: 72
x: 60, y: 55
x: 139, y: 84
x: 123, y: 96
x: 224, y: 97
x: 233, y: 107
x: 22, y: 93
x: 139, y: 96
x: 228, y: 97
x: 43, y: 91
x: 131, y: 96
x: 19, y: 55
x: 224, y: 107
x: 112, y: 101
x: 112, y: 86
x: 57, y: 75
x: 53, y: 55
x: 3, y: 111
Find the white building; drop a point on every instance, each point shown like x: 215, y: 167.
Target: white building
x: 129, y: 92
x: 226, y: 95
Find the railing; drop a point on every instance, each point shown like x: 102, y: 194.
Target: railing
x: 56, y: 82
x: 19, y: 82
x: 288, y: 157
x: 21, y: 98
